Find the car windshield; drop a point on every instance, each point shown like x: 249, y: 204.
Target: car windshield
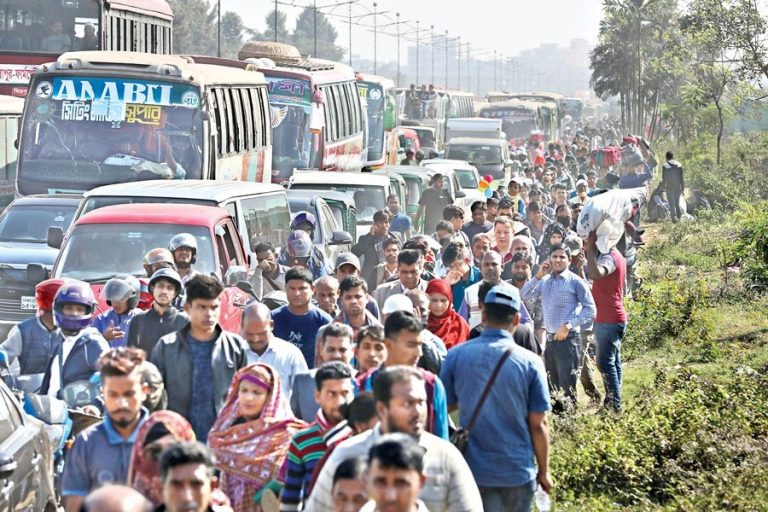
x: 98, y: 252
x: 426, y: 138
x: 31, y: 223
x: 82, y: 132
x: 467, y: 178
x: 368, y: 199
x: 290, y: 104
x: 474, y: 153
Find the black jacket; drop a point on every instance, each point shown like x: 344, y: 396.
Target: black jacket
x: 672, y: 176
x: 173, y: 359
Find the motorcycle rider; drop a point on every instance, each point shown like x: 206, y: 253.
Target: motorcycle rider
x: 158, y: 258
x: 184, y: 249
x: 306, y: 222
x: 34, y: 341
x: 77, y: 357
x: 147, y: 327
x: 122, y: 295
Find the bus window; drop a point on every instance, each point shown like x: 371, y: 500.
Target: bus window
x: 247, y: 113
x: 290, y: 102
x: 237, y: 120
x: 8, y: 154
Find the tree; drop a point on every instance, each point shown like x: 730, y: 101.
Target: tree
x: 282, y: 29
x: 232, y: 31
x: 314, y: 35
x: 190, y: 33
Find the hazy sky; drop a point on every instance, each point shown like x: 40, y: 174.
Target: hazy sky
x: 508, y: 26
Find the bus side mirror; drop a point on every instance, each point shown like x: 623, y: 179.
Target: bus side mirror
x: 16, y: 143
x: 55, y: 237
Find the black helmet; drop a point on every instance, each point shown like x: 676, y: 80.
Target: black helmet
x: 168, y: 274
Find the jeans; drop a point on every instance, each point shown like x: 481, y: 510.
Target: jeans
x: 673, y: 196
x: 562, y: 360
x: 608, y: 338
x: 508, y: 499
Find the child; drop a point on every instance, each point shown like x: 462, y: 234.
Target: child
x: 122, y: 295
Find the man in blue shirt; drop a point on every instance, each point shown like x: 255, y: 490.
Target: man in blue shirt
x: 101, y: 454
x: 511, y: 427
x: 298, y: 321
x: 567, y: 304
x: 399, y: 222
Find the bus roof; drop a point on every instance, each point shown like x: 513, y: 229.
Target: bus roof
x: 386, y: 83
x: 280, y: 59
x: 155, y: 7
x: 186, y: 214
x: 203, y: 190
x: 178, y: 66
x: 537, y: 96
x: 511, y: 104
x: 11, y: 105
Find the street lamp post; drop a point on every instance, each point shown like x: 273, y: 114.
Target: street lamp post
x: 458, y: 61
x: 418, y: 42
x: 446, y: 60
x: 494, y: 70
x: 350, y: 33
x: 469, y: 83
x: 314, y: 28
x: 432, y: 42
x: 218, y: 29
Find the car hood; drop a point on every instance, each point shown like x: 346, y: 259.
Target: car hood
x: 23, y: 253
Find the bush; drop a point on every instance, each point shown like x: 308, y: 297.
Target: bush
x: 688, y: 443
x: 751, y: 246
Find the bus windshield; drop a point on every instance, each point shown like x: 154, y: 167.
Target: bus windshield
x: 290, y: 103
x: 50, y: 27
x: 83, y: 132
x: 373, y: 94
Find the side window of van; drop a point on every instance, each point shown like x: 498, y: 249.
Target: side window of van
x: 267, y: 218
x: 328, y: 221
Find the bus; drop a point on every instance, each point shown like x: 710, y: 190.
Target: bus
x: 317, y: 115
x: 378, y: 95
x: 549, y: 108
x: 33, y: 32
x: 98, y: 118
x: 518, y: 118
x: 573, y: 107
x: 460, y: 104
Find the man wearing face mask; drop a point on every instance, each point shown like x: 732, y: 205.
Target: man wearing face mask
x: 101, y: 453
x: 401, y: 404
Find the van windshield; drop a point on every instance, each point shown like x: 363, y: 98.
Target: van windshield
x: 98, y: 252
x: 368, y: 199
x: 474, y: 154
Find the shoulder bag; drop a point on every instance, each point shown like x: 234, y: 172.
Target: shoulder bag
x: 460, y: 437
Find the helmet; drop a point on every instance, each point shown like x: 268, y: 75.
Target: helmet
x: 121, y: 289
x: 303, y: 217
x: 158, y: 255
x: 73, y: 292
x: 45, y: 291
x: 170, y: 275
x: 298, y: 244
x: 184, y: 240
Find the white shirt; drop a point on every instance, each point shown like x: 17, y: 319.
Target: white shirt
x: 284, y: 357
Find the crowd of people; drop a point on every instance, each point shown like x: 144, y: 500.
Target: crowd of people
x: 345, y: 396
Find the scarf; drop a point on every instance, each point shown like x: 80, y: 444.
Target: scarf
x: 251, y: 453
x: 144, y: 471
x: 450, y: 326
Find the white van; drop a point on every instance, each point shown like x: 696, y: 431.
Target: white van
x: 473, y: 127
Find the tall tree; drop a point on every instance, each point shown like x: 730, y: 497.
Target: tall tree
x: 315, y: 35
x: 191, y: 32
x: 282, y: 29
x: 232, y: 32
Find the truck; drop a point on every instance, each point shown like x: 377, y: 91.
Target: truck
x: 473, y: 127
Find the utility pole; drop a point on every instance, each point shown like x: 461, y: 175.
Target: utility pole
x: 418, y: 42
x: 350, y: 33
x: 275, y: 19
x: 397, y: 15
x: 458, y: 61
x: 446, y: 60
x: 314, y: 32
x: 375, y: 28
x: 218, y: 29
x: 469, y: 81
x: 494, y: 71
x: 432, y: 40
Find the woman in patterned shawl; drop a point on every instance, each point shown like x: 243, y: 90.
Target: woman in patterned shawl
x: 251, y: 436
x: 162, y: 429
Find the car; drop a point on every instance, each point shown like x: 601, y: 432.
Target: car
x: 368, y: 190
x: 23, y: 232
x: 329, y: 236
x: 112, y: 241
x: 260, y: 210
x: 26, y: 459
x: 466, y: 175
x: 341, y: 204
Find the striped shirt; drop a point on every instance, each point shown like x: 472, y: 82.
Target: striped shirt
x: 307, y: 448
x: 565, y: 299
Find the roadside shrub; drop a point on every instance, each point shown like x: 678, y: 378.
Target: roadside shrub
x: 751, y: 246
x: 687, y: 443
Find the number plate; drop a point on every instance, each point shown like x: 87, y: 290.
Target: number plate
x: 28, y: 302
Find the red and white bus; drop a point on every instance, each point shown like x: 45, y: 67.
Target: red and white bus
x: 317, y: 117
x: 33, y: 32
x: 98, y: 118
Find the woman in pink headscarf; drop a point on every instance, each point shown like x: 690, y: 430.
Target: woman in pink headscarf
x: 251, y: 436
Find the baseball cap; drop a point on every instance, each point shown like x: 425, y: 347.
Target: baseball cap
x: 397, y: 302
x: 505, y: 295
x: 347, y: 258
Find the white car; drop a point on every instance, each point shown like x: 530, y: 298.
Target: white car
x: 461, y: 177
